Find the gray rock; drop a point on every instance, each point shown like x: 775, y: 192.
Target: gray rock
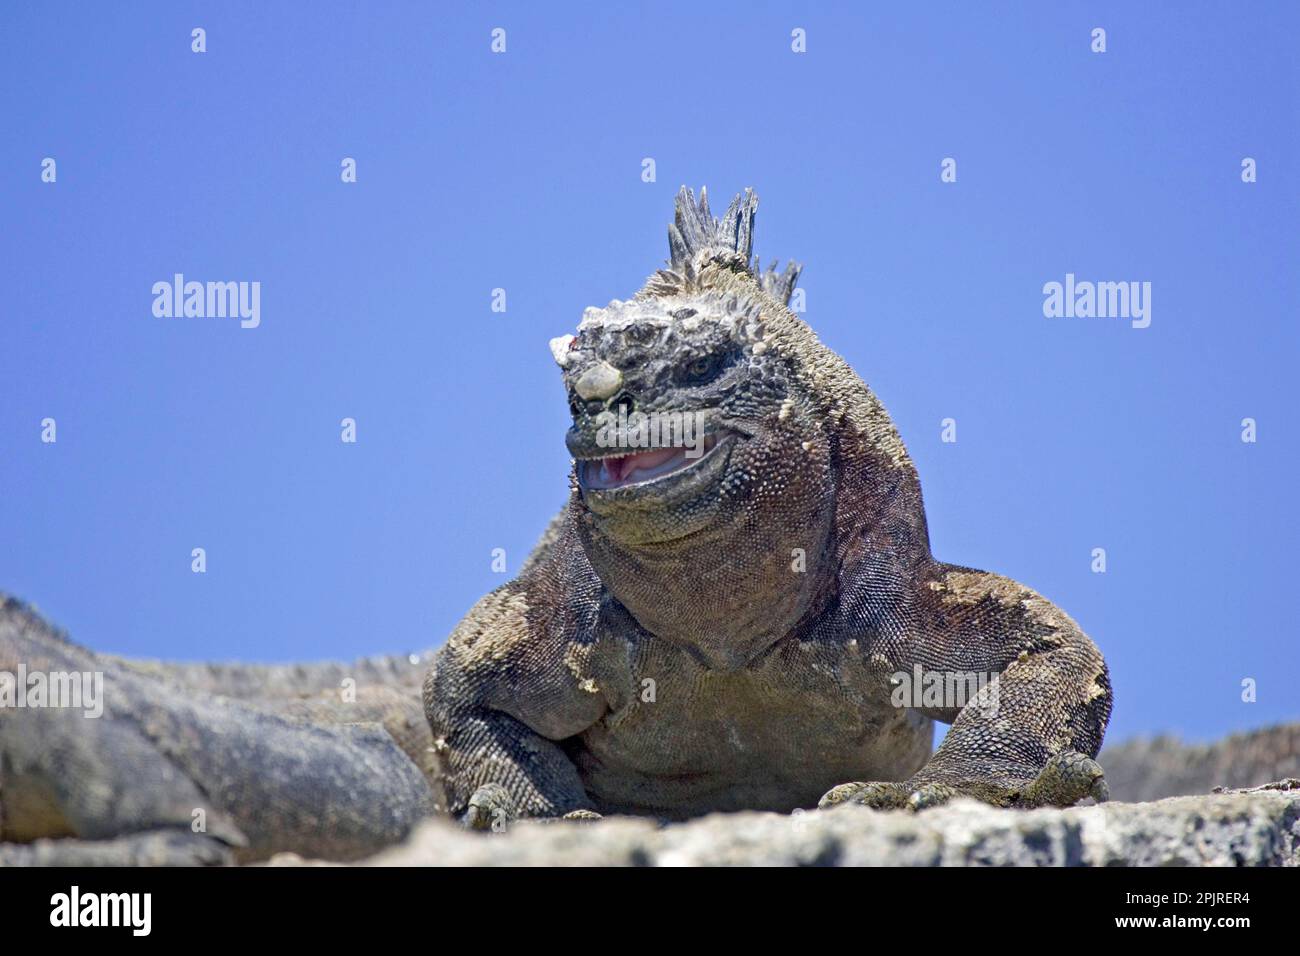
x: 1240, y: 828
x: 1164, y: 766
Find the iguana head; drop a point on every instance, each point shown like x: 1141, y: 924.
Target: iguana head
x: 677, y: 395
x: 697, y: 438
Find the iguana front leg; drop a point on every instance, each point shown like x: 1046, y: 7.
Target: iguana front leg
x: 1029, y: 738
x: 504, y: 691
x: 499, y: 770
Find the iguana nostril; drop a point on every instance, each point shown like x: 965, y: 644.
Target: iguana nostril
x: 624, y: 399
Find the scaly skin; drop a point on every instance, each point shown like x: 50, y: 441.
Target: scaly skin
x: 727, y: 635
x: 291, y: 767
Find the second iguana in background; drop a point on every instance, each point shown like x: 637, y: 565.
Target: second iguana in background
x: 731, y: 629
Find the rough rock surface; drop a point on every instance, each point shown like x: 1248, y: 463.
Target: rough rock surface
x: 1164, y: 766
x: 1258, y: 827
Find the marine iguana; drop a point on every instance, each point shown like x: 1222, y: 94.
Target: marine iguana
x: 726, y: 631
x: 691, y: 634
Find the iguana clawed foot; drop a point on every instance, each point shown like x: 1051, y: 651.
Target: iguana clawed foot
x: 492, y: 808
x: 582, y: 816
x: 878, y: 795
x: 1066, y: 779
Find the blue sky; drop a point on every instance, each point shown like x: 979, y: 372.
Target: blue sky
x: 522, y: 171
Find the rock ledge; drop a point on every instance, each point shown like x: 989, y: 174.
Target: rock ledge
x: 1256, y: 827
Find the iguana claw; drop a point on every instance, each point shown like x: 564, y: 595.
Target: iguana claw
x: 1066, y: 779
x: 490, y: 808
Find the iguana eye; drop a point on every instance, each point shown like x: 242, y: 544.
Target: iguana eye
x: 702, y: 369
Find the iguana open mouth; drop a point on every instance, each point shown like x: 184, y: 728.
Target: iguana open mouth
x: 640, y: 468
